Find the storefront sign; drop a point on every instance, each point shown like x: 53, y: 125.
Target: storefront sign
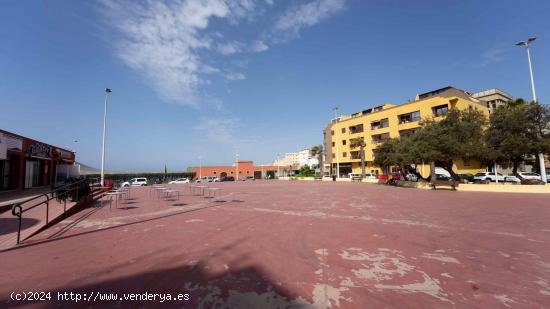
x: 40, y: 151
x: 13, y: 143
x: 64, y: 154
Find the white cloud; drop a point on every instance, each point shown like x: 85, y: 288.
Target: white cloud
x: 163, y: 41
x: 492, y: 56
x: 229, y: 48
x: 235, y: 76
x: 170, y: 43
x: 307, y: 15
x: 219, y: 129
x: 259, y: 46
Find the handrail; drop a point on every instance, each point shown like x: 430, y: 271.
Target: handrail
x: 66, y: 191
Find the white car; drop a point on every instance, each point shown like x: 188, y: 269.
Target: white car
x: 358, y: 175
x: 488, y: 176
x: 206, y: 179
x: 523, y: 175
x: 135, y: 182
x: 528, y: 175
x: 180, y: 180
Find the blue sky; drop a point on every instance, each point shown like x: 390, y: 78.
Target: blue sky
x: 208, y: 78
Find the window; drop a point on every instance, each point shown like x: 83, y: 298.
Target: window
x: 331, y: 132
x: 356, y: 129
x: 333, y: 156
x: 344, y: 154
x: 409, y: 117
x: 231, y: 172
x: 440, y: 110
x: 343, y: 130
x: 355, y: 154
x: 409, y: 132
x: 380, y: 138
x: 343, y: 142
x: 248, y: 172
x: 383, y: 123
x: 333, y: 144
x: 214, y: 172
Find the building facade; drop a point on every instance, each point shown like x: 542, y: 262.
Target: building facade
x: 28, y: 163
x: 493, y: 98
x: 299, y: 158
x: 377, y: 124
x: 244, y: 168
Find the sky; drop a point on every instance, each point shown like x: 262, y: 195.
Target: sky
x: 216, y: 78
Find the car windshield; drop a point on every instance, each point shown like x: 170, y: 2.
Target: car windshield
x: 480, y: 174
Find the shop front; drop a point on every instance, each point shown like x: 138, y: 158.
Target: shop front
x: 26, y: 163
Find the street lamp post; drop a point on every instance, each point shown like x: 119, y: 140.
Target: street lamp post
x: 335, y: 109
x: 107, y: 91
x: 533, y: 92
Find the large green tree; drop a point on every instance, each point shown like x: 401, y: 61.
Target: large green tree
x: 458, y: 135
x: 516, y: 130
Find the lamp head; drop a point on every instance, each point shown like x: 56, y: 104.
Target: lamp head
x: 108, y: 90
x: 522, y: 43
x: 531, y: 39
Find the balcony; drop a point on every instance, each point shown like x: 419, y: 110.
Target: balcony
x: 383, y: 123
x: 356, y: 129
x: 409, y: 117
x: 380, y: 138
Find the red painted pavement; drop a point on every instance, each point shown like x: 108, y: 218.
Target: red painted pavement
x: 276, y: 244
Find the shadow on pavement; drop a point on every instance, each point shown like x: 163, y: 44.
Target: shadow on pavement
x: 10, y: 225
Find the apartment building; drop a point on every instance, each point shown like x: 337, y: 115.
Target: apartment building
x: 298, y: 158
x: 377, y: 124
x: 493, y: 98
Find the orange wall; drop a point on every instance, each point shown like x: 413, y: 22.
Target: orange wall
x: 246, y: 168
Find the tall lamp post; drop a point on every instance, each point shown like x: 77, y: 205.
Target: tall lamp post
x: 107, y: 91
x: 533, y: 92
x: 335, y: 109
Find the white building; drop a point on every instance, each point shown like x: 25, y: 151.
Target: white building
x: 299, y: 158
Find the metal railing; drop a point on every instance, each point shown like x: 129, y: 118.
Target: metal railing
x: 75, y: 190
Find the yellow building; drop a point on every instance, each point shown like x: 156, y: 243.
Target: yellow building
x: 379, y: 123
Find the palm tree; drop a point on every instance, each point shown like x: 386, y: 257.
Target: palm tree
x: 317, y: 151
x: 359, y: 142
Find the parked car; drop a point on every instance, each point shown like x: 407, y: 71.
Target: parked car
x: 135, y: 182
x: 206, y: 179
x: 512, y: 178
x: 529, y: 175
x: 358, y: 175
x: 227, y: 178
x: 179, y: 180
x: 443, y: 177
x: 216, y: 179
x: 466, y: 177
x: 248, y: 178
x: 411, y: 177
x: 486, y: 177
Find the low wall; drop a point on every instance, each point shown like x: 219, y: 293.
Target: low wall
x: 470, y: 187
x: 504, y: 187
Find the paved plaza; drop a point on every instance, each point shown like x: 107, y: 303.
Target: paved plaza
x: 294, y: 244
